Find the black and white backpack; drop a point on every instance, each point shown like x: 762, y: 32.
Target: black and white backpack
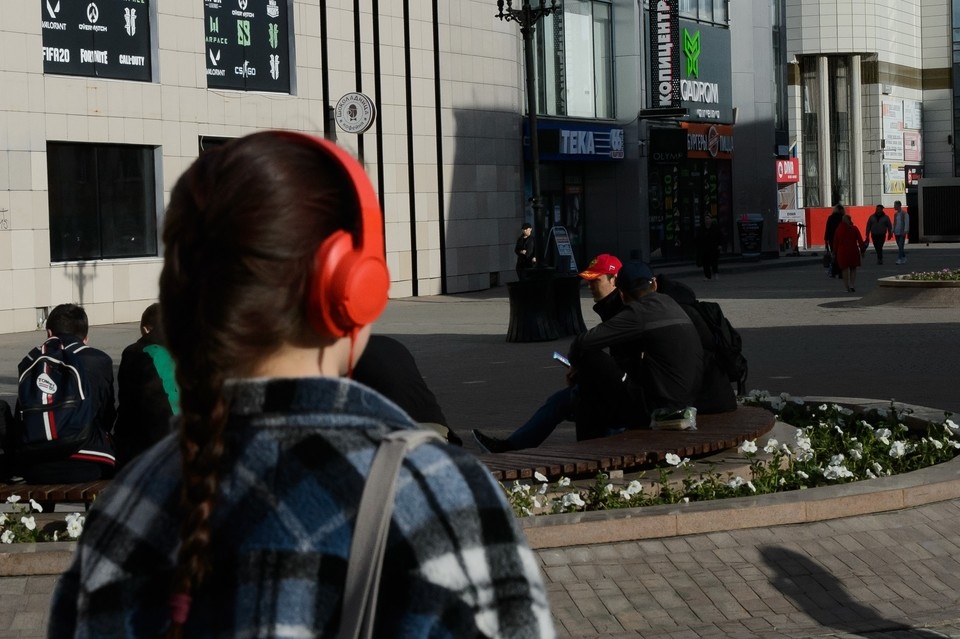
x: 54, y: 412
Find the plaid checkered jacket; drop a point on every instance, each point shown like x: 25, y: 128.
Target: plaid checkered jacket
x: 297, y: 454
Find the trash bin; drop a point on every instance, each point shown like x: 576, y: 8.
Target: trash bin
x: 566, y: 305
x: 533, y: 316
x: 788, y: 236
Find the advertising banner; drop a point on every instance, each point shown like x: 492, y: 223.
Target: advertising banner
x: 247, y: 45
x: 572, y: 141
x: 706, y: 84
x: 709, y: 141
x: 665, y: 53
x: 788, y: 171
x: 102, y: 39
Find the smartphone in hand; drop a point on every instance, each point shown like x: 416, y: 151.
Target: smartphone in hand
x: 560, y: 358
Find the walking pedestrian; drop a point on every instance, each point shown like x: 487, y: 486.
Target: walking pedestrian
x: 879, y: 229
x: 848, y: 246
x: 901, y: 226
x: 709, y: 243
x: 836, y: 216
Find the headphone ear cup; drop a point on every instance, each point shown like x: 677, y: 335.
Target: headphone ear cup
x: 350, y: 288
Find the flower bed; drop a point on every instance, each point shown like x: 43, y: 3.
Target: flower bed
x: 832, y: 445
x: 943, y: 275
x: 21, y: 525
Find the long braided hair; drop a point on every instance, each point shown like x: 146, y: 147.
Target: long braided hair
x: 240, y: 234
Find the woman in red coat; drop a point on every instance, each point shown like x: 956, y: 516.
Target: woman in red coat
x: 848, y: 246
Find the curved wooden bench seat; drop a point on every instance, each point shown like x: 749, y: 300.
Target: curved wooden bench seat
x: 49, y: 494
x: 632, y: 450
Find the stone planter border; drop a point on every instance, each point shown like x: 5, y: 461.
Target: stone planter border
x: 928, y: 485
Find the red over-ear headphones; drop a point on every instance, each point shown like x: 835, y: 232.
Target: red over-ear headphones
x: 350, y: 278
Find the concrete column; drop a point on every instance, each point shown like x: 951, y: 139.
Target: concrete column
x: 824, y: 143
x: 856, y: 120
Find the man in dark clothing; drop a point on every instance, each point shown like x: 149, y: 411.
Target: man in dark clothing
x: 526, y: 250
x: 716, y: 394
x: 656, y: 362
x: 709, y: 244
x: 601, y: 277
x: 147, y: 390
x: 388, y: 367
x: 95, y: 458
x: 836, y: 216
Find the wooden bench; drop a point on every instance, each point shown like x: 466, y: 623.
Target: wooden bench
x: 632, y: 450
x: 48, y: 495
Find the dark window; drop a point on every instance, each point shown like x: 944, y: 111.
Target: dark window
x: 102, y: 201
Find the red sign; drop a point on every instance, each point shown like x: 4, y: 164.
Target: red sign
x: 709, y: 141
x: 788, y: 171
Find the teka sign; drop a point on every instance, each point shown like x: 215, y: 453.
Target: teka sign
x: 665, y: 53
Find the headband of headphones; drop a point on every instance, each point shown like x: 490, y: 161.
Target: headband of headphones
x: 350, y: 283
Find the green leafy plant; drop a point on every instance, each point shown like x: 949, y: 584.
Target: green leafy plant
x: 832, y: 445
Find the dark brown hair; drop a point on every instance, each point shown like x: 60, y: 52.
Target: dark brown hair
x: 241, y: 230
x: 68, y: 319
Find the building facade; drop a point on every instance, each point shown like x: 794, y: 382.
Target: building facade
x: 871, y: 97
x: 122, y: 95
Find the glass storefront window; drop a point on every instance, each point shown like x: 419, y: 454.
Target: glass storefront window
x: 810, y: 127
x: 575, y: 49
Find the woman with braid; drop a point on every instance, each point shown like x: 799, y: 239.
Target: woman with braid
x: 240, y: 524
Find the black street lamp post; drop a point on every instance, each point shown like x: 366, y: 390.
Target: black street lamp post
x: 527, y: 17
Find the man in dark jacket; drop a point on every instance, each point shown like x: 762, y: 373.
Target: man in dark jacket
x: 655, y: 362
x: 388, y: 367
x: 95, y: 459
x: 716, y: 394
x: 836, y: 216
x: 148, y: 392
x: 526, y: 250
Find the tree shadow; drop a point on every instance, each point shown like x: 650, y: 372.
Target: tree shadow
x: 825, y: 599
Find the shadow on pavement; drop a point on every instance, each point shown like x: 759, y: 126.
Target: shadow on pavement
x: 824, y: 598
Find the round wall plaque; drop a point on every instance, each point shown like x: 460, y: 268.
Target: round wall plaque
x: 355, y: 113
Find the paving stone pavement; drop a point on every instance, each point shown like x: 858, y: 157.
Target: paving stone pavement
x: 887, y: 575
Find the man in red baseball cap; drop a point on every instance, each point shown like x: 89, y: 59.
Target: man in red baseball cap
x: 601, y: 276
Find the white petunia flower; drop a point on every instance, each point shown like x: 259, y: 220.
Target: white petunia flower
x: 951, y: 424
x: 74, y: 524
x: 771, y: 446
x: 803, y: 475
x: 7, y: 537
x: 573, y: 499
x: 898, y: 449
x: 752, y: 488
x: 29, y: 522
x: 37, y: 507
x: 673, y: 459
x: 12, y: 499
x: 539, y: 477
x: 609, y: 488
x: 736, y: 482
x: 748, y: 447
x: 563, y: 482
x: 634, y: 487
x: 3, y: 519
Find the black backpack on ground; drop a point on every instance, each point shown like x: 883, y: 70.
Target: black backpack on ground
x: 719, y: 337
x: 54, y: 414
